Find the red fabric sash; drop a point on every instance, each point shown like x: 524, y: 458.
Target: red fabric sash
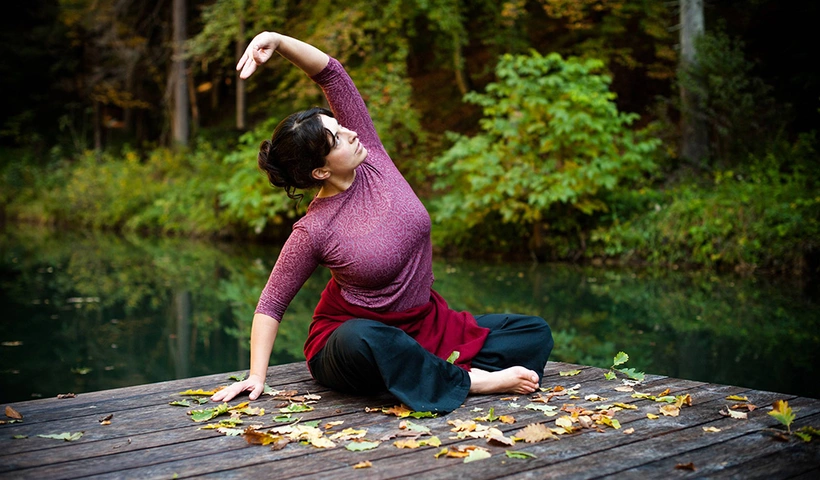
x: 434, y: 325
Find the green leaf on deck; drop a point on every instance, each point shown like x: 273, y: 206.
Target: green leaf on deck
x: 490, y: 417
x: 361, y: 446
x: 807, y: 433
x: 631, y: 373
x: 610, y: 375
x: 312, y: 423
x: 520, y: 455
x: 737, y: 398
x: 285, y: 418
x: 296, y: 408
x: 20, y: 437
x: 413, y: 427
x: 238, y: 377
x: 231, y: 432
x: 547, y: 410
x: 569, y: 373
x: 180, y: 403
x: 208, y: 413
x: 783, y: 413
x: 453, y: 356
x: 620, y: 359
x: 68, y: 437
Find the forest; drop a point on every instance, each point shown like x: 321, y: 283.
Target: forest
x: 673, y: 133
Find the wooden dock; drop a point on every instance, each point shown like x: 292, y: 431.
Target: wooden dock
x: 148, y: 438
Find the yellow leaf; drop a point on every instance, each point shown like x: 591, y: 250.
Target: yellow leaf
x: 652, y: 416
x: 198, y: 392
x: 410, y: 443
x: 711, y: 429
x: 737, y: 398
x: 364, y: 464
x: 462, y: 426
x: 322, y: 442
x: 506, y: 419
x: 629, y: 431
x: 349, y: 434
x: 441, y: 452
x: 670, y: 410
x: 330, y: 425
x: 400, y: 411
x: 565, y: 422
x: 625, y: 406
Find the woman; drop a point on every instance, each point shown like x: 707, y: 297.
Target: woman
x: 378, y: 325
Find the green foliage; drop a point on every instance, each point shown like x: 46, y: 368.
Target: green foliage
x: 783, y: 413
x: 765, y: 215
x: 620, y: 359
x: 551, y: 136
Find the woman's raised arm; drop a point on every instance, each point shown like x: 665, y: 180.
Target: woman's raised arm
x: 308, y: 58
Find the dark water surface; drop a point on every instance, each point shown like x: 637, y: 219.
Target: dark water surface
x: 96, y: 311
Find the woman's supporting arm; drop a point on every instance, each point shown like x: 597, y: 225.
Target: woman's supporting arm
x: 308, y: 58
x: 263, y: 335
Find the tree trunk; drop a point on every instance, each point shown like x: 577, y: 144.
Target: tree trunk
x: 241, y: 108
x: 180, y: 125
x: 694, y: 136
x: 462, y: 80
x: 192, y: 98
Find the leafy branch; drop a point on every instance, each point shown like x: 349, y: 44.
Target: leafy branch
x: 620, y: 359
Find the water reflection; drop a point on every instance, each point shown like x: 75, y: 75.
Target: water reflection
x: 95, y: 311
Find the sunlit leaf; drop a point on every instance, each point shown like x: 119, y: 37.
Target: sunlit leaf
x: 364, y: 464
x: 652, y: 416
x: 565, y: 422
x: 681, y: 400
x: 296, y: 408
x: 407, y: 443
x: 737, y: 398
x: 12, y: 413
x: 67, y: 436
x: 462, y: 426
x: 198, y: 392
x: 665, y: 398
x: 509, y: 419
x: 519, y: 454
x: 430, y: 442
x: 625, y: 406
x: 322, y: 442
x: 441, y: 452
x: 711, y: 429
x: 783, y: 413
x: 477, y: 454
x: 496, y: 437
x: 670, y: 410
x: 620, y: 359
x: 208, y: 413
x: 728, y: 412
x: 534, y: 432
x: 569, y: 373
x: 608, y: 421
x: 610, y: 375
x: 629, y: 431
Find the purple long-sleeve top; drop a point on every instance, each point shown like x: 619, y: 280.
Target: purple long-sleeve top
x: 374, y: 237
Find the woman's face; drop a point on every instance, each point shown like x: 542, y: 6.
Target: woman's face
x: 346, y: 152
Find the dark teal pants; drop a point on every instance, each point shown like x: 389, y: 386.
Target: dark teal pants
x: 364, y: 357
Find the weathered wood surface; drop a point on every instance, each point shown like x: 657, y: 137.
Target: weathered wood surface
x: 148, y: 438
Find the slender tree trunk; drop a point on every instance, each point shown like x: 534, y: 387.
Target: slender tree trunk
x: 192, y: 99
x: 694, y: 135
x: 241, y: 97
x: 462, y: 80
x: 180, y: 125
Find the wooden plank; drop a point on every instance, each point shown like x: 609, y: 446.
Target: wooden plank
x: 755, y: 450
x: 391, y: 456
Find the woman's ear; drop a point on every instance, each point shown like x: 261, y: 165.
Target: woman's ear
x: 320, y: 174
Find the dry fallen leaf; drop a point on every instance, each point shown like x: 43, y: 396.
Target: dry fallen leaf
x: 748, y: 406
x: 496, y: 437
x: 686, y: 466
x: 652, y: 416
x: 12, y: 413
x: 506, y: 419
x: 711, y: 429
x: 670, y: 410
x: 624, y: 388
x: 106, y: 420
x: 364, y: 464
x: 728, y: 412
x: 66, y: 395
x: 737, y: 398
x: 629, y: 431
x: 330, y: 425
x: 409, y: 443
x: 534, y: 432
x: 565, y: 422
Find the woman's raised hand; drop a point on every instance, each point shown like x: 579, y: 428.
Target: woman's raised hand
x: 253, y: 383
x: 258, y: 52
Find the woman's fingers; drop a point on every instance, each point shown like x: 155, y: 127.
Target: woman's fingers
x: 227, y: 394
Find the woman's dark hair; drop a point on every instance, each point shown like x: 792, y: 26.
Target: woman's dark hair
x: 298, y: 145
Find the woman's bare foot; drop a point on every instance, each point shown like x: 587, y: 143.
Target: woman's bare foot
x: 510, y: 380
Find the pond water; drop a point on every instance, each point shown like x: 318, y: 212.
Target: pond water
x: 85, y: 312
